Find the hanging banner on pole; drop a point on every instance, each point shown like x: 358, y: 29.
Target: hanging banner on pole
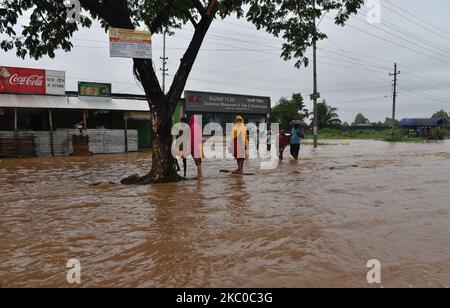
x: 125, y: 43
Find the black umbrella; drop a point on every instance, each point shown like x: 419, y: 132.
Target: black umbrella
x: 299, y: 122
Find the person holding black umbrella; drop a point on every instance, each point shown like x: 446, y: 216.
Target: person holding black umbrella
x: 297, y: 134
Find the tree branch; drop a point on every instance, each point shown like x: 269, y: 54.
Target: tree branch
x: 115, y: 14
x: 192, y: 19
x: 162, y: 17
x: 211, y: 6
x: 190, y: 56
x: 200, y: 8
x: 143, y: 70
x: 96, y: 7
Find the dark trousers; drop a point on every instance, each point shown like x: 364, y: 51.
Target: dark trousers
x: 295, y: 150
x: 281, y: 151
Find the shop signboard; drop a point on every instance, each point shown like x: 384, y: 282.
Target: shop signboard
x: 17, y: 80
x: 226, y: 103
x: 94, y: 89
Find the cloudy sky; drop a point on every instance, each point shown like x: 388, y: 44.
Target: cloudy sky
x: 354, y: 63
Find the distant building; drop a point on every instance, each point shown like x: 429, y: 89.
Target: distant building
x: 423, y: 123
x: 423, y: 127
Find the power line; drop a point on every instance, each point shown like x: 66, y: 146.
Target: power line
x: 417, y: 17
x: 414, y: 22
x: 414, y: 36
x: 397, y: 44
x: 356, y: 61
x: 407, y: 40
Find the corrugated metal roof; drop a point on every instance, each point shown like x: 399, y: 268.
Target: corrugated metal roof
x: 64, y: 102
x: 423, y: 122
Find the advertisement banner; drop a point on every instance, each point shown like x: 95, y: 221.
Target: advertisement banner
x: 226, y: 103
x: 16, y: 80
x: 56, y: 82
x: 125, y: 43
x: 94, y: 89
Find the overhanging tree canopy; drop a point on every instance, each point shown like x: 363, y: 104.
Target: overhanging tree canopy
x: 295, y: 21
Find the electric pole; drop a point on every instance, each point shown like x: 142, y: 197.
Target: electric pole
x: 315, y: 95
x: 164, y: 59
x: 394, y: 97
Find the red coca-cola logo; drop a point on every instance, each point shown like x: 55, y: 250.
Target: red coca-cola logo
x: 22, y: 80
x: 33, y: 80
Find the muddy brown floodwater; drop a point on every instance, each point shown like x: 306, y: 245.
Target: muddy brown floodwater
x: 314, y: 223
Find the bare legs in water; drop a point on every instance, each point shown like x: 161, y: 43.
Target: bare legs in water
x: 240, y: 163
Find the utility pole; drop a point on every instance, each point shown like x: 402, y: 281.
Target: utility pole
x: 315, y: 95
x: 164, y: 59
x: 394, y: 97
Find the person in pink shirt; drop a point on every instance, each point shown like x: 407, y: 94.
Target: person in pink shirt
x: 197, y: 143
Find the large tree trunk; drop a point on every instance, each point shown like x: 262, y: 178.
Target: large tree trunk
x: 163, y: 163
x: 162, y: 106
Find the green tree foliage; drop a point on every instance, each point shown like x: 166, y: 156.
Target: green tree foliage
x: 294, y: 21
x: 288, y: 110
x: 360, y: 119
x: 438, y: 134
x: 441, y: 114
x: 327, y: 115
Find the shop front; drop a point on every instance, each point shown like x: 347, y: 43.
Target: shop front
x: 50, y: 121
x: 223, y: 108
x: 38, y: 117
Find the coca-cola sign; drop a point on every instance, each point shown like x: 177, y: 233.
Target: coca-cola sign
x: 32, y: 81
x: 15, y: 80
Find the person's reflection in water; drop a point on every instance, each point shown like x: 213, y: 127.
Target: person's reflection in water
x: 238, y: 192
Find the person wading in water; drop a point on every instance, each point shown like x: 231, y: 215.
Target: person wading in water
x: 182, y: 156
x: 298, y: 133
x: 197, y: 143
x: 240, y: 143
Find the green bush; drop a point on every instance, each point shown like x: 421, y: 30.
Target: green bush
x: 438, y: 134
x: 397, y: 135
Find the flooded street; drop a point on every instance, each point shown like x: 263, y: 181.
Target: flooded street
x: 312, y: 223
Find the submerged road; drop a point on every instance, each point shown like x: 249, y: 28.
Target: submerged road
x: 312, y: 223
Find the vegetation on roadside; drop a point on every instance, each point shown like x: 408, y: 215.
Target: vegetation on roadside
x: 288, y: 110
x: 364, y: 134
x: 331, y: 127
x: 360, y: 119
x: 441, y: 114
x: 327, y: 115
